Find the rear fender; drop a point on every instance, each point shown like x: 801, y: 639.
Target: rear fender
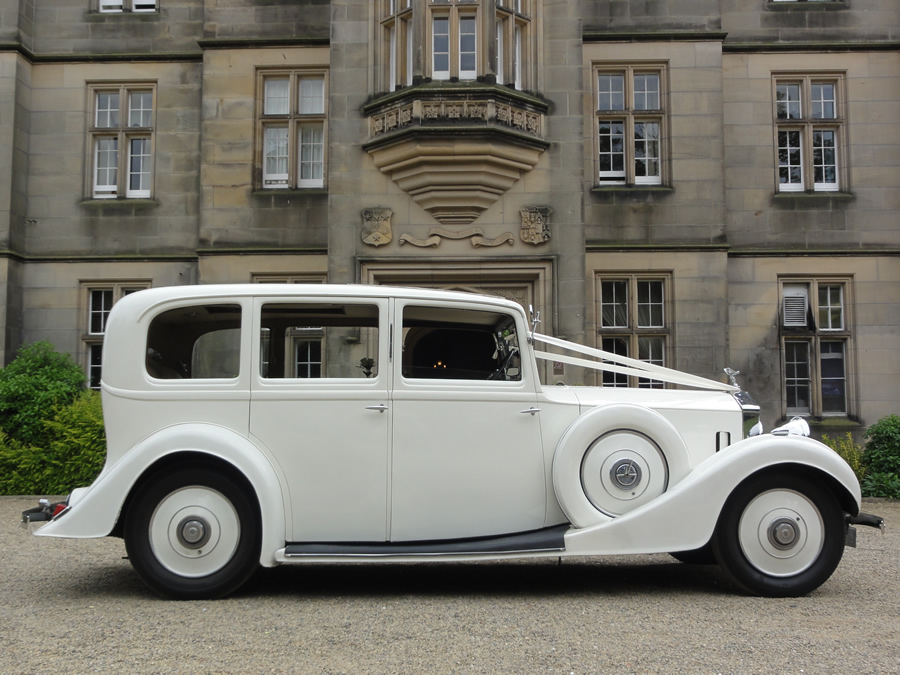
x: 94, y: 511
x: 684, y: 518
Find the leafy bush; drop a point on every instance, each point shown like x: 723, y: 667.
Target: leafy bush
x: 878, y: 484
x: 849, y: 450
x: 33, y: 386
x: 882, y: 453
x: 73, y: 456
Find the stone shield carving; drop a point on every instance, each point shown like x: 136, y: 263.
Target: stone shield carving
x: 535, y: 224
x: 376, y: 230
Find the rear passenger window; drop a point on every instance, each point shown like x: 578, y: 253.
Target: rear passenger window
x: 312, y: 340
x: 459, y: 344
x: 197, y: 342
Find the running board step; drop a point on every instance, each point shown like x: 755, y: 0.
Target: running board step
x: 547, y: 539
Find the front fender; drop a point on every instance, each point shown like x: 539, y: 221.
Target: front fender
x: 685, y: 517
x: 94, y: 511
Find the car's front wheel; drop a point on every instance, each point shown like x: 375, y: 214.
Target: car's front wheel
x: 780, y: 535
x: 193, y: 533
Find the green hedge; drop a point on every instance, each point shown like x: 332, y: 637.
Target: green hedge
x: 51, y: 427
x: 33, y: 386
x: 72, y: 457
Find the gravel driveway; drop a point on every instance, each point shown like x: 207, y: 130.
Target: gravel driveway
x: 77, y: 607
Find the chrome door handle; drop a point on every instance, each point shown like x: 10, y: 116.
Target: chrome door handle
x: 381, y: 407
x: 531, y: 411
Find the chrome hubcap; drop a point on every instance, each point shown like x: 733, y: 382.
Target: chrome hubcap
x: 625, y: 474
x: 783, y: 533
x: 193, y: 532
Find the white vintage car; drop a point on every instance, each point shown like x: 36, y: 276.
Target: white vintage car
x: 254, y: 425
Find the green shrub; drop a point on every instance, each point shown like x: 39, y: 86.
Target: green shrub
x: 849, y: 450
x: 33, y: 386
x: 882, y: 453
x: 73, y: 456
x: 878, y: 484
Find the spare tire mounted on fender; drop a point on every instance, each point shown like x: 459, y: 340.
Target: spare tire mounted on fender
x: 614, y: 459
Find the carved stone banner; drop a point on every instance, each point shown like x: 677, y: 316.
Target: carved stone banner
x: 535, y: 224
x: 437, y: 234
x: 376, y: 230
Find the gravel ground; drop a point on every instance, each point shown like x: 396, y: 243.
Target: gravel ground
x: 77, y: 607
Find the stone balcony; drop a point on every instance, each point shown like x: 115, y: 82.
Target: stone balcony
x: 456, y: 148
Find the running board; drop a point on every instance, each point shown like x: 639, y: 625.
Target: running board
x: 536, y: 541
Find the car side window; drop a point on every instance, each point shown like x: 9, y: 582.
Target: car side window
x: 459, y: 344
x: 313, y: 340
x: 195, y: 342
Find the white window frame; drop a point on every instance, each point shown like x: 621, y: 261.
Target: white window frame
x: 120, y: 6
x: 622, y: 121
x: 117, y: 126
x: 648, y: 340
x: 803, y: 163
x: 397, y: 28
x: 815, y: 313
x: 93, y: 334
x: 301, y: 158
x: 513, y: 26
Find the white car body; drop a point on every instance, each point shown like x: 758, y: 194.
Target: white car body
x: 395, y: 464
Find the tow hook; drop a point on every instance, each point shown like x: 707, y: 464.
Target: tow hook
x: 46, y: 511
x: 866, y: 519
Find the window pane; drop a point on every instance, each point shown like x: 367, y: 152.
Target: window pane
x: 467, y: 48
x: 106, y: 160
x: 319, y: 340
x: 824, y: 158
x: 140, y: 109
x: 95, y: 365
x: 646, y: 150
x: 646, y: 92
x: 790, y: 173
x: 614, y: 304
x: 796, y: 371
x: 831, y: 307
x: 309, y: 359
x: 650, y: 304
x: 277, y: 96
x: 275, y: 161
x: 823, y: 101
x: 612, y: 148
x: 456, y: 344
x: 312, y: 96
x: 202, y: 341
x: 312, y: 153
x: 139, y: 162
x: 611, y: 92
x: 834, y: 396
x: 618, y: 346
x: 440, y: 47
x: 101, y: 302
x: 787, y: 101
x: 107, y: 110
x: 651, y: 350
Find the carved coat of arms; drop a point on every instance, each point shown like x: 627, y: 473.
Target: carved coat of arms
x: 535, y: 224
x: 376, y: 230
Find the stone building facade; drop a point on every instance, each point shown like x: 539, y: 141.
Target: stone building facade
x: 702, y: 184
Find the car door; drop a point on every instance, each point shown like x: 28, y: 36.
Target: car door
x: 466, y: 458
x: 320, y: 407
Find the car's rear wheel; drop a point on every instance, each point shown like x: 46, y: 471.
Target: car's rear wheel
x: 193, y: 533
x: 780, y: 535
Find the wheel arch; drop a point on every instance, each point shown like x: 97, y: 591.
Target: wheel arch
x: 188, y: 459
x: 100, y: 510
x: 837, y: 488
